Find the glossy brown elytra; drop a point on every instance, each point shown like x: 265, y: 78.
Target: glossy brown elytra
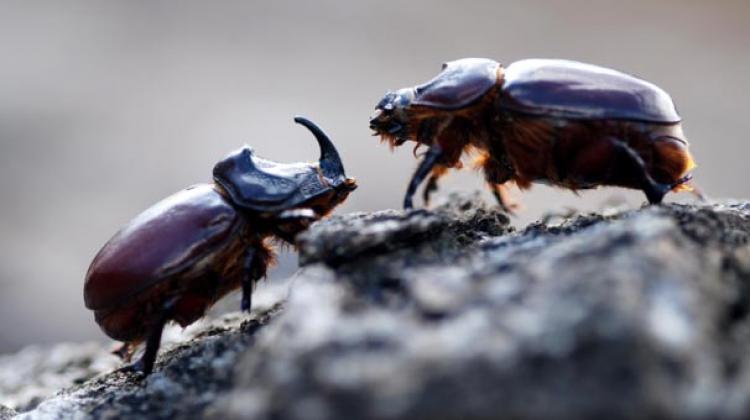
x: 177, y: 258
x: 560, y: 122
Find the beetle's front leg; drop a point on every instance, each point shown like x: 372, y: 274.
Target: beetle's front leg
x: 248, y: 279
x: 290, y: 222
x: 432, y: 183
x: 303, y: 214
x: 431, y: 187
x: 425, y: 167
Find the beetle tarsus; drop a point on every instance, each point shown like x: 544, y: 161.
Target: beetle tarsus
x: 663, y: 189
x: 145, y: 365
x: 694, y: 189
x: 432, y: 157
x: 431, y: 187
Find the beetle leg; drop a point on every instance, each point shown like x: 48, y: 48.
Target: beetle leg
x: 297, y: 214
x: 432, y: 183
x: 146, y: 363
x: 698, y: 193
x: 248, y: 280
x: 290, y: 222
x: 654, y: 191
x: 431, y: 159
x: 506, y: 203
x: 431, y: 187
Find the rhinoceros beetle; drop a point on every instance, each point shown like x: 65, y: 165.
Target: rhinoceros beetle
x: 177, y: 258
x: 560, y: 122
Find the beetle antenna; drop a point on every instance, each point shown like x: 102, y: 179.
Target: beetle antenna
x: 330, y: 161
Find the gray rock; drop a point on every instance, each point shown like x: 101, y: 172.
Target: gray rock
x: 6, y: 413
x: 35, y: 373
x: 189, y: 377
x: 450, y: 313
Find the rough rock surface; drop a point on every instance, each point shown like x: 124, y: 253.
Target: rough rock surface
x: 6, y: 413
x: 34, y: 373
x: 452, y: 314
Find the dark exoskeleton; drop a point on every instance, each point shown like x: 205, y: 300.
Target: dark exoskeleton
x: 177, y: 258
x: 560, y: 122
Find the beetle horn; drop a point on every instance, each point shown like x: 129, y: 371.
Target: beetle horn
x: 330, y: 161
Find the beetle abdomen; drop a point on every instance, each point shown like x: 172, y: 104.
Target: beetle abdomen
x: 587, y: 154
x: 175, y: 233
x: 569, y: 89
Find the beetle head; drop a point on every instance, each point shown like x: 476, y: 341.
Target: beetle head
x: 270, y: 188
x: 390, y: 120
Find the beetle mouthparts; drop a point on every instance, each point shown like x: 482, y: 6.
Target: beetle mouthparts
x: 395, y: 128
x: 350, y: 184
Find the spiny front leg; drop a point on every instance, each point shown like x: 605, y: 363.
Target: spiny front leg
x: 248, y: 280
x: 255, y: 264
x: 290, y: 222
x: 432, y: 183
x: 431, y: 159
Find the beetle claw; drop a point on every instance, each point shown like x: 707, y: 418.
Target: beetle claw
x: 137, y: 369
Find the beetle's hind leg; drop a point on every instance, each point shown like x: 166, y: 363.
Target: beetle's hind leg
x: 698, y: 193
x: 654, y: 191
x: 145, y: 364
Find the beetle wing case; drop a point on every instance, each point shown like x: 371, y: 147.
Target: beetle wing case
x: 266, y: 186
x: 459, y: 84
x: 569, y: 89
x: 164, y: 239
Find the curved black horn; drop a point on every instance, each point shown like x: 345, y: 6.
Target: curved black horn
x: 330, y: 161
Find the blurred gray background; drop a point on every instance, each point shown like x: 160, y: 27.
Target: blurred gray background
x: 106, y: 107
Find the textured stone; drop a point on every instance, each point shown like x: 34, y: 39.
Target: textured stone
x: 6, y: 413
x: 35, y: 373
x: 451, y: 313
